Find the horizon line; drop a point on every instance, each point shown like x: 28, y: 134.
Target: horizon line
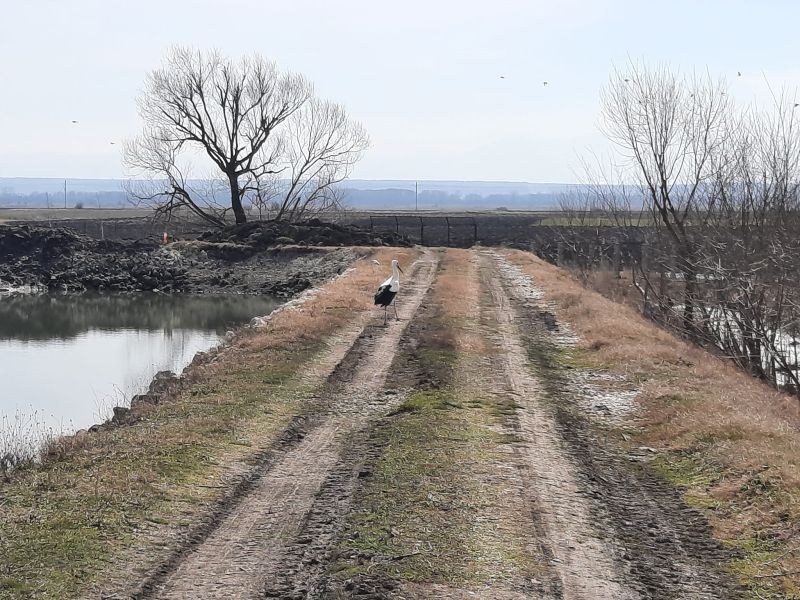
x: 501, y: 181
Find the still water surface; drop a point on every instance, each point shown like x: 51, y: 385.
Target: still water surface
x: 69, y: 359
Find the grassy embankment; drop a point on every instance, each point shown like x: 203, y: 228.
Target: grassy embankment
x: 731, y: 443
x: 84, y: 518
x: 435, y: 510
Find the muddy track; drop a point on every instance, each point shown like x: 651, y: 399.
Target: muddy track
x: 615, y: 529
x: 247, y: 542
x: 305, y: 572
x: 584, y: 564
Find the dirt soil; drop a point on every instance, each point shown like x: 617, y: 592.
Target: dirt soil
x: 261, y: 262
x: 446, y: 455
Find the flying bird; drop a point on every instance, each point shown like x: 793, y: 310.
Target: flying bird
x: 544, y: 83
x: 74, y: 121
x: 626, y: 80
x: 502, y: 76
x: 388, y: 290
x: 738, y: 73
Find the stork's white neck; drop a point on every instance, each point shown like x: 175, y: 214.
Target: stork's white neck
x: 394, y: 280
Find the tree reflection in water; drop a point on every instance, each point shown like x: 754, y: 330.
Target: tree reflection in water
x: 48, y: 316
x: 71, y: 358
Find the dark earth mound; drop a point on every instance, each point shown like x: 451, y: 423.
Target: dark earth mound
x: 60, y: 259
x: 254, y: 258
x: 263, y: 234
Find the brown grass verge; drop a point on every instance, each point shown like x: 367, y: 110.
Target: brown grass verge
x: 730, y: 441
x: 103, y: 508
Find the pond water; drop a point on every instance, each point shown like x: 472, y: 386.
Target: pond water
x: 65, y: 361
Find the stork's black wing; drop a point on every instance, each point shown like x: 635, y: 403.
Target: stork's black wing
x: 384, y: 295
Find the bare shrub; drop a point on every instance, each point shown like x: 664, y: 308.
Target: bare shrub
x: 22, y: 437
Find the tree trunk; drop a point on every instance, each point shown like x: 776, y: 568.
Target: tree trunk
x: 687, y: 265
x: 688, y: 303
x: 236, y: 200
x: 753, y: 349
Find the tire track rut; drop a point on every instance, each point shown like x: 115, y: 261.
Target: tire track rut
x: 648, y: 541
x: 244, y: 553
x: 305, y: 573
x: 581, y: 559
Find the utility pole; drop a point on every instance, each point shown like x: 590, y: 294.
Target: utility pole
x: 416, y: 203
x: 65, y: 193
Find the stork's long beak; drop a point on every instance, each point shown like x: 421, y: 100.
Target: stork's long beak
x: 400, y: 269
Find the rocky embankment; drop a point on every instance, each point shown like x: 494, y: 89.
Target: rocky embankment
x: 266, y: 258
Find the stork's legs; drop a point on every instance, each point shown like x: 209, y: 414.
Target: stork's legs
x: 386, y: 313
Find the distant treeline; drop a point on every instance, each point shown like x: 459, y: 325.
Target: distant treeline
x: 398, y: 199
x: 401, y: 199
x: 72, y: 200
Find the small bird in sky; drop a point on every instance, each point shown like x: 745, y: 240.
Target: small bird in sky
x: 74, y: 121
x: 738, y: 73
x: 544, y: 83
x: 112, y: 143
x: 796, y: 104
x: 626, y: 80
x: 502, y: 76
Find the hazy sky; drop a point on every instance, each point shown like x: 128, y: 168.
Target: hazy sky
x: 422, y: 76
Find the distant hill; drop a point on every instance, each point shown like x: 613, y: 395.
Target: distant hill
x: 359, y: 193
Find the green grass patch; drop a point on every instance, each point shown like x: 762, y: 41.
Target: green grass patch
x: 762, y: 558
x: 573, y: 358
x: 681, y: 400
x: 685, y: 470
x: 420, y: 516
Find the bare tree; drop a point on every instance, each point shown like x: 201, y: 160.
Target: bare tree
x: 204, y: 105
x: 165, y: 185
x: 723, y: 189
x: 321, y: 146
x: 669, y: 128
x: 750, y: 253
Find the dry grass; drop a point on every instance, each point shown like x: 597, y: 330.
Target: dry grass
x: 455, y: 289
x: 99, y: 503
x: 731, y: 441
x: 336, y: 306
x: 619, y: 289
x: 460, y: 300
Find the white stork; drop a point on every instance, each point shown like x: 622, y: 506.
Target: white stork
x: 388, y: 290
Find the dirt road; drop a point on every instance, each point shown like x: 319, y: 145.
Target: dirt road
x: 447, y: 455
